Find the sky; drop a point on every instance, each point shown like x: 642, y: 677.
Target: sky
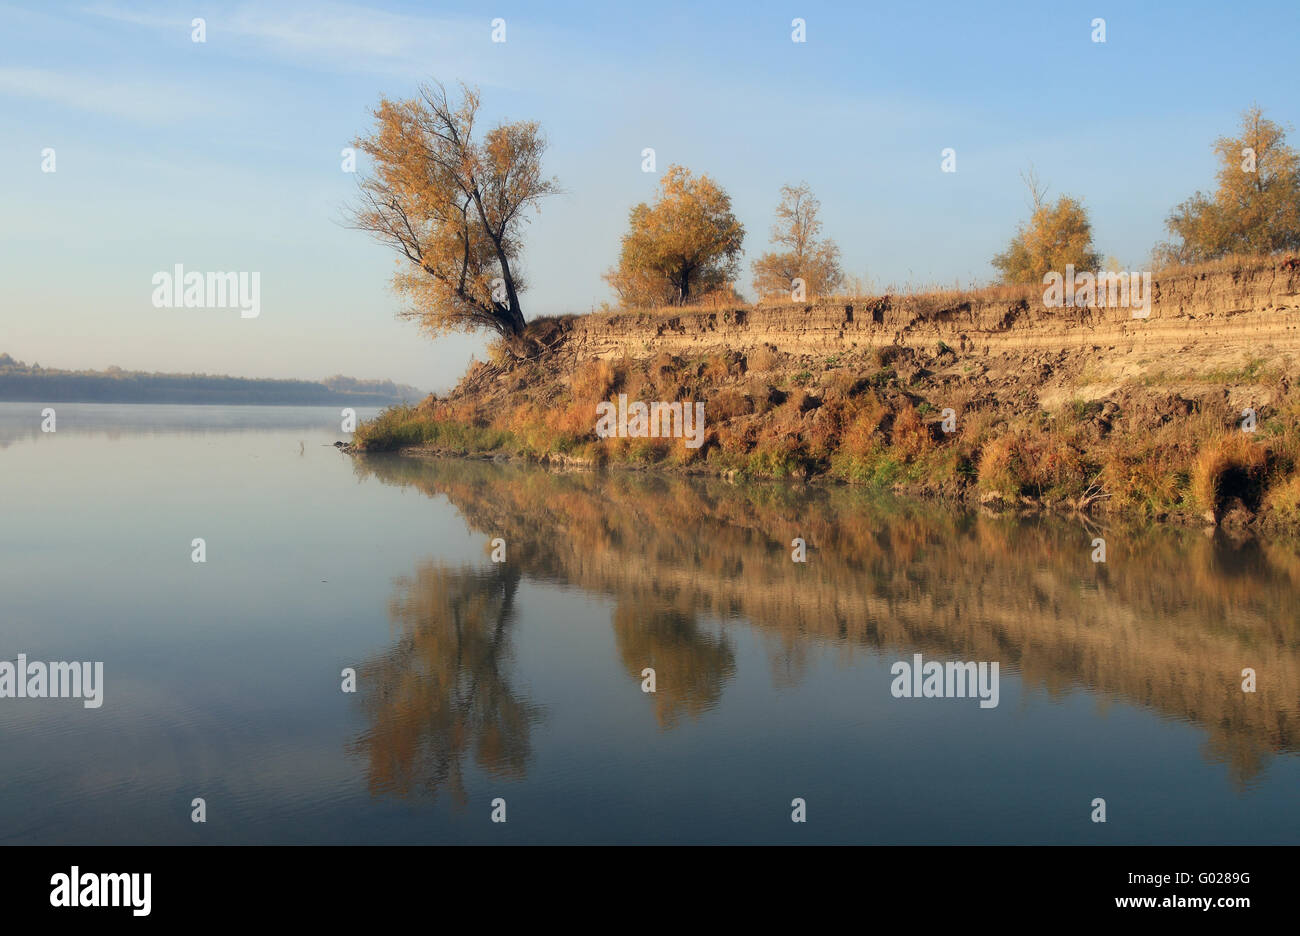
x: 226, y: 155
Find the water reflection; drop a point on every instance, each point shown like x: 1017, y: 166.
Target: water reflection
x: 1167, y: 624
x: 443, y: 690
x: 690, y: 666
x: 22, y: 422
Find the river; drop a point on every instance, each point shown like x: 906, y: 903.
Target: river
x: 517, y: 688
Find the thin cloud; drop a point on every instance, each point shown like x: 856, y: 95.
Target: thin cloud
x: 133, y: 100
x: 331, y: 36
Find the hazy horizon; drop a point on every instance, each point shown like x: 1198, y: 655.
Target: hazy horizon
x: 225, y: 155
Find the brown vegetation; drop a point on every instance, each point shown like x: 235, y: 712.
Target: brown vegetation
x: 1046, y: 409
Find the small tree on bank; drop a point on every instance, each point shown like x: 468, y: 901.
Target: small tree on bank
x: 1055, y: 236
x: 685, y: 244
x: 816, y: 262
x: 453, y: 207
x: 1256, y: 207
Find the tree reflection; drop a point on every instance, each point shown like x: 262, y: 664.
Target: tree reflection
x: 1167, y: 624
x: 691, y: 666
x: 444, y: 690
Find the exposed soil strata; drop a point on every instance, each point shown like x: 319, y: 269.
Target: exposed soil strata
x: 986, y: 396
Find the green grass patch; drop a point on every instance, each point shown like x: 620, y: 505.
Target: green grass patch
x: 400, y: 426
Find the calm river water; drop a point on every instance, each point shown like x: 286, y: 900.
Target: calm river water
x: 522, y: 681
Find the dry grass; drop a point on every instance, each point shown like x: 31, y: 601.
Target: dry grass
x: 1231, y: 263
x: 910, y: 434
x: 1186, y: 466
x: 1001, y: 466
x: 718, y: 367
x: 861, y: 434
x: 1283, y: 501
x: 663, y: 368
x: 593, y: 381
x: 1148, y: 481
x: 577, y: 419
x: 728, y: 404
x: 763, y: 360
x: 1231, y: 464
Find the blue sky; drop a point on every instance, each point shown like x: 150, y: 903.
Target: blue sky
x: 225, y: 155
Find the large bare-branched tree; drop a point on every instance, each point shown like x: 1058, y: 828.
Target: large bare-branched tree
x: 453, y: 206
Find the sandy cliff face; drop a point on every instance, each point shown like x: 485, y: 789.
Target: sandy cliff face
x: 1213, y: 312
x: 990, y: 395
x: 1202, y: 328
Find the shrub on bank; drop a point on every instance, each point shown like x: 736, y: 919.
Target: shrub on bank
x: 1138, y: 452
x: 1231, y: 465
x: 401, y: 426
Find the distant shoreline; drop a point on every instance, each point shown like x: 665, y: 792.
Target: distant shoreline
x: 363, y: 403
x: 342, y: 400
x: 20, y: 383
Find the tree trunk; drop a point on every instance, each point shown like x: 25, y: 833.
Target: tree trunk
x: 513, y: 314
x: 513, y: 318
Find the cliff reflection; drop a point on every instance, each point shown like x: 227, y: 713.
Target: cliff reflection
x: 1168, y: 623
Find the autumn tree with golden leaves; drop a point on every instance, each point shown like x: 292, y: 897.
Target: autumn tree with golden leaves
x: 1056, y: 235
x: 1256, y: 207
x: 687, y: 243
x: 453, y: 207
x: 805, y: 257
